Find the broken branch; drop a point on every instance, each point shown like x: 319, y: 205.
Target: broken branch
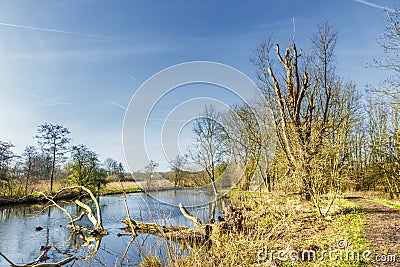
x: 185, y: 213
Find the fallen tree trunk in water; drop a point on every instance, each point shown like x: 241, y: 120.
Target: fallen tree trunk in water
x: 199, y: 235
x: 152, y: 228
x: 180, y: 234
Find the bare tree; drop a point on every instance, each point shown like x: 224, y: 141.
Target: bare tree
x: 177, y: 166
x: 268, y: 143
x: 390, y: 42
x: 53, y: 138
x: 111, y: 166
x: 245, y: 139
x: 30, y: 153
x: 6, y: 156
x: 309, y: 103
x: 384, y: 125
x: 211, y: 150
x: 150, y: 170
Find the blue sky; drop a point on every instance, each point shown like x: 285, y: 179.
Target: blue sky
x: 78, y: 63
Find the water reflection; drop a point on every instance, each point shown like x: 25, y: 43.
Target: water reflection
x: 21, y: 243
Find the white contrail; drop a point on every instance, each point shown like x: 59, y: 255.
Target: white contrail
x: 58, y: 103
x: 374, y: 5
x: 133, y: 78
x: 37, y: 96
x: 50, y: 30
x: 118, y: 105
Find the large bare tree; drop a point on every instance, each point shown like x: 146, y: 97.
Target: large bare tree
x: 309, y: 103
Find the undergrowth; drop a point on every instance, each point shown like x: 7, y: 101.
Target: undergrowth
x: 272, y: 223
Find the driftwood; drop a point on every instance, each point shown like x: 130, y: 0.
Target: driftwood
x: 151, y: 228
x: 39, y: 259
x: 129, y: 220
x: 199, y: 235
x: 196, y: 220
x: 95, y: 220
x: 97, y: 227
x: 51, y: 199
x: 179, y: 234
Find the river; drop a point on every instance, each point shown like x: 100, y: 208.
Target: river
x: 21, y: 242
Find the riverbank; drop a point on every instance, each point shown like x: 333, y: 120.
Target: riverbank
x: 35, y: 198
x: 278, y: 230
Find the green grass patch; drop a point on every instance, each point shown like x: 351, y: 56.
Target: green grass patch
x: 386, y: 202
x: 353, y: 224
x: 281, y: 222
x: 115, y: 191
x: 36, y: 195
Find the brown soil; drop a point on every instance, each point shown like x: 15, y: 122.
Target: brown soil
x: 382, y: 232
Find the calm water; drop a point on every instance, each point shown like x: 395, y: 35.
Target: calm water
x: 21, y: 243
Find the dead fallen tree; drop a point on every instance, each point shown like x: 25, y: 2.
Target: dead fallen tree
x: 199, y: 235
x: 94, y: 218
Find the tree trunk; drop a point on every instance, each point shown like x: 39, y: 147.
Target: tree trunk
x: 53, y: 165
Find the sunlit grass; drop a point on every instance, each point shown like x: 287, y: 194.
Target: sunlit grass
x: 277, y: 222
x: 386, y: 202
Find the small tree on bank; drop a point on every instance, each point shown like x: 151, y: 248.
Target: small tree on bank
x: 53, y: 139
x: 211, y: 150
x: 177, y: 166
x: 29, y: 154
x: 84, y: 168
x: 149, y: 171
x: 6, y: 156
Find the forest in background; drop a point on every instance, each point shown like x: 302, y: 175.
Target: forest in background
x: 309, y: 131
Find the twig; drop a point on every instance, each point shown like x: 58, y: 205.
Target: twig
x: 9, y: 261
x: 129, y: 218
x: 61, y: 208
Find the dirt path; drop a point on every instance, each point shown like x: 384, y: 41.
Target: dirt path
x: 382, y: 232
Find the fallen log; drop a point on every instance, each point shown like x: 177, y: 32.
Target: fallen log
x: 199, y: 235
x: 152, y: 228
x: 188, y: 237
x: 196, y: 220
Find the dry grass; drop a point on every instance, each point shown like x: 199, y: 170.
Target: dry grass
x: 274, y: 222
x: 151, y: 261
x: 44, y: 185
x: 119, y: 185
